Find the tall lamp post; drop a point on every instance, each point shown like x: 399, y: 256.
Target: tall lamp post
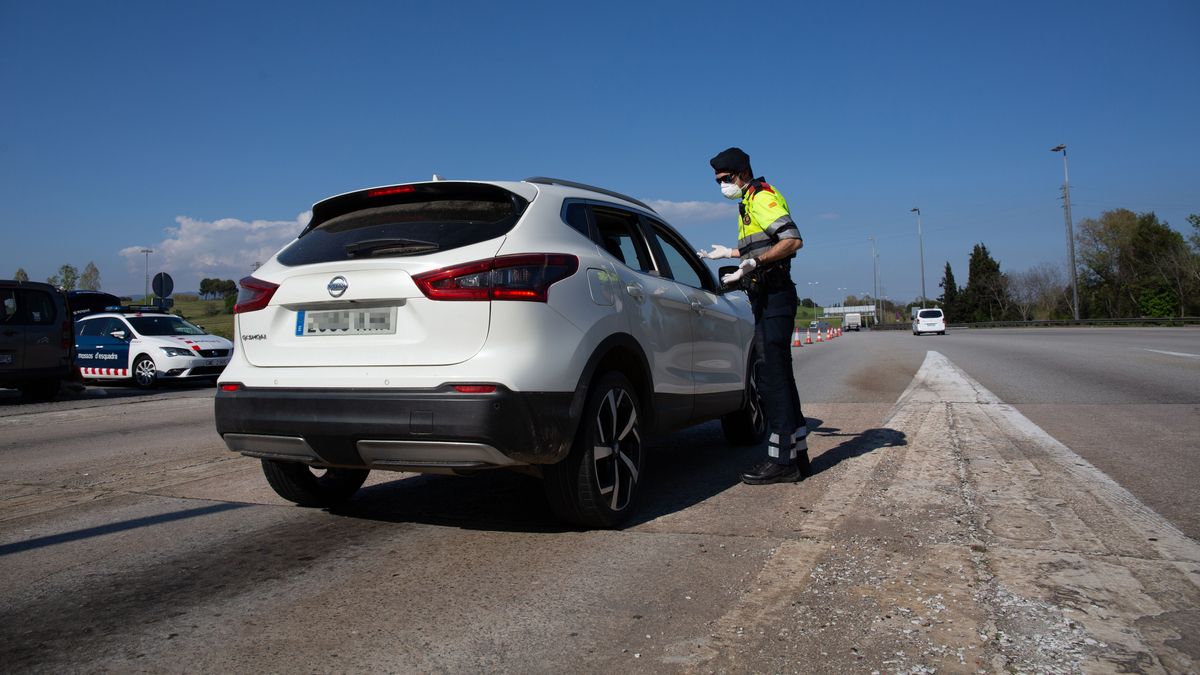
x: 1070, y: 230
x: 875, y: 280
x: 921, y: 242
x: 146, y: 294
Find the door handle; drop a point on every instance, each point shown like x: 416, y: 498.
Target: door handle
x: 634, y: 291
x: 697, y: 307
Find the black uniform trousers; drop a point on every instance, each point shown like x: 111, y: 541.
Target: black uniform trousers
x: 774, y: 320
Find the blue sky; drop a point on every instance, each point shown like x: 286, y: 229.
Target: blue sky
x: 206, y: 130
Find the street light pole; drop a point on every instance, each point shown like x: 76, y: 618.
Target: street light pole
x: 874, y: 280
x: 1070, y: 230
x: 921, y: 241
x: 146, y: 294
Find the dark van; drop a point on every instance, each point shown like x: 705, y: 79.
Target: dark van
x: 37, y: 340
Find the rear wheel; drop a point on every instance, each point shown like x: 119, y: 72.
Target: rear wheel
x: 145, y: 374
x: 305, y: 486
x: 597, y: 484
x: 747, y: 426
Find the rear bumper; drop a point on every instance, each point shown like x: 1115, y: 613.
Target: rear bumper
x: 19, y: 377
x: 417, y: 430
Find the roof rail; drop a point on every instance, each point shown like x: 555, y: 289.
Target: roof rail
x: 582, y: 186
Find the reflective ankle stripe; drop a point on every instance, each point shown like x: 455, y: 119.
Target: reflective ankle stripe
x: 775, y: 450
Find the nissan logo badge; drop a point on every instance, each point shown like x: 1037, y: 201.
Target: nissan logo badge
x: 337, y: 286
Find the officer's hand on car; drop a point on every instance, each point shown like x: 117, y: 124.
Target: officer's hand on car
x: 743, y: 269
x: 718, y: 251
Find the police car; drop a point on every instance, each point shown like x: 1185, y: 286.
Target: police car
x: 145, y: 345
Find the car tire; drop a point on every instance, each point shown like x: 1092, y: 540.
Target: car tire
x: 298, y: 483
x: 747, y: 426
x: 596, y: 485
x: 41, y: 390
x: 144, y: 373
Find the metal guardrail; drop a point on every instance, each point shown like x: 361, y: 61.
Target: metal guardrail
x: 1051, y: 323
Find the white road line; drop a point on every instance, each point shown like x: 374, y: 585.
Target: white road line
x: 940, y: 381
x: 1183, y: 354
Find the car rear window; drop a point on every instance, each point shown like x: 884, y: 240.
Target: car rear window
x: 411, y: 223
x: 930, y: 314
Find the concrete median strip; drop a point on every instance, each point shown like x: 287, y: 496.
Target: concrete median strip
x: 980, y: 544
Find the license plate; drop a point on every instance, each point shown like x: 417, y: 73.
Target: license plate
x: 6, y: 358
x: 376, y: 321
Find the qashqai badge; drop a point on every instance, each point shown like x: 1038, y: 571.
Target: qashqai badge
x: 337, y: 286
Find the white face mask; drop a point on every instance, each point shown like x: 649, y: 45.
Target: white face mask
x: 731, y: 191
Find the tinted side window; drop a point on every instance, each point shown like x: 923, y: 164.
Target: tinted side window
x: 576, y: 217
x: 22, y: 307
x: 618, y: 233
x: 685, y: 267
x: 8, y: 305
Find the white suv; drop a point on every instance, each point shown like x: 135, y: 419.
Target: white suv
x: 449, y: 327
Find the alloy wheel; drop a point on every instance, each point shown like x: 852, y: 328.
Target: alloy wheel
x: 144, y: 371
x: 617, y: 453
x: 757, y: 419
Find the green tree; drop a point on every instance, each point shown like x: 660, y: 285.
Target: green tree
x: 1135, y: 265
x: 986, y: 296
x: 66, y: 278
x: 949, y: 297
x: 21, y: 274
x: 90, y: 279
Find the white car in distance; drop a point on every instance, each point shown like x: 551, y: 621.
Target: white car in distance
x: 929, y: 321
x: 452, y: 326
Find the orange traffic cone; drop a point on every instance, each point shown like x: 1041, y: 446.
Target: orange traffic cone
x: 808, y: 336
x: 819, y: 339
x: 796, y: 338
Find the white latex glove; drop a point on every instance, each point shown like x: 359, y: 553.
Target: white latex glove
x: 718, y: 251
x: 743, y: 269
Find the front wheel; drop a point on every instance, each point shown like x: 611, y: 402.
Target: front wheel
x: 145, y: 374
x: 298, y: 483
x: 597, y: 484
x: 747, y: 426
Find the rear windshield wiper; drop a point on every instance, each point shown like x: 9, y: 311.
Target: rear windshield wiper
x: 378, y: 248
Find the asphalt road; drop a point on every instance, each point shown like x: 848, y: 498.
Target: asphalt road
x: 131, y: 540
x: 1125, y: 399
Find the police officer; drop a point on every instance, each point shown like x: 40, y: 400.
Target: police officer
x: 767, y: 241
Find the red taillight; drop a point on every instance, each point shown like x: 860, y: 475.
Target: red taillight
x: 397, y: 190
x: 527, y: 276
x: 231, y: 386
x: 253, y: 295
x: 475, y: 388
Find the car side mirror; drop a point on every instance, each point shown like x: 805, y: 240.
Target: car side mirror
x: 723, y: 288
x: 119, y: 334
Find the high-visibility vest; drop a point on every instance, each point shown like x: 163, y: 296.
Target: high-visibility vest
x: 763, y: 219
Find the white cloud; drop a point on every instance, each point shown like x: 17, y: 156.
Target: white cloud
x: 225, y: 248
x: 691, y: 212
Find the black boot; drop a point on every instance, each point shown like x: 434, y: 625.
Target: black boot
x: 770, y: 472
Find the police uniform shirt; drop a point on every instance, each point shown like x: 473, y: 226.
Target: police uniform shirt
x: 764, y: 220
